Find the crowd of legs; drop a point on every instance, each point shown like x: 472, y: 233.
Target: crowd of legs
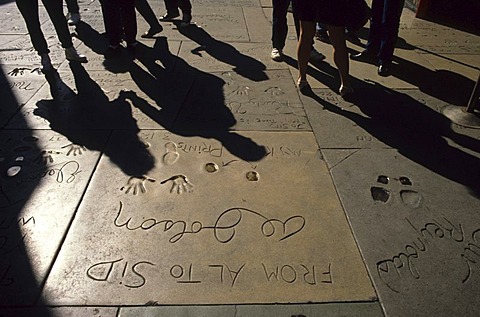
x: 324, y: 18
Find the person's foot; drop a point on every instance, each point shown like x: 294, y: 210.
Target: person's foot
x: 303, y: 86
x: 112, y: 51
x: 73, y: 18
x: 363, y: 56
x: 345, y: 91
x: 132, y: 47
x: 169, y: 16
x: 186, y: 19
x: 384, y: 70
x: 72, y: 55
x: 46, y: 63
x: 276, y: 55
x: 322, y: 36
x: 316, y: 56
x: 352, y: 36
x: 152, y: 31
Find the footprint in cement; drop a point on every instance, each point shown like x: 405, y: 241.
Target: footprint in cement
x: 409, y: 197
x: 380, y: 194
x: 171, y: 154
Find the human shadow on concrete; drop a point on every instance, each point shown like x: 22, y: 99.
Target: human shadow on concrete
x: 90, y: 109
x: 448, y: 86
x: 187, y: 101
x: 243, y: 65
x: 20, y: 286
x: 417, y: 131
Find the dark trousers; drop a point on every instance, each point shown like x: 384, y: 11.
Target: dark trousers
x: 72, y: 6
x: 29, y: 11
x: 384, y: 25
x: 173, y: 5
x: 120, y: 19
x: 279, y: 23
x: 144, y: 8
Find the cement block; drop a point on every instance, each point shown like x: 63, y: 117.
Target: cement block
x: 416, y: 221
x: 236, y: 246
x: 35, y: 170
x: 231, y: 99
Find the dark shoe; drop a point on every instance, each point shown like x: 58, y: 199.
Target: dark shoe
x: 169, y: 16
x: 384, y: 70
x: 112, y: 51
x: 132, y: 47
x: 322, y: 36
x: 152, y: 31
x: 186, y: 19
x: 363, y: 56
x: 352, y: 37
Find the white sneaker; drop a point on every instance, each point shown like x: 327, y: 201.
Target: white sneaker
x: 46, y: 63
x: 72, y: 55
x: 316, y: 56
x: 73, y: 18
x: 276, y: 55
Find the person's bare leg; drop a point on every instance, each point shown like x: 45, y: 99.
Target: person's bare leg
x: 340, y: 54
x: 307, y: 31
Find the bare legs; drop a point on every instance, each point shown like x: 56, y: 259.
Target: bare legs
x: 307, y: 31
x: 340, y: 54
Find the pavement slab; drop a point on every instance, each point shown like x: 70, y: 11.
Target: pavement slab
x: 307, y: 310
x: 20, y: 52
x: 288, y: 250
x: 379, y: 117
x: 214, y: 188
x: 60, y: 312
x: 210, y: 55
x: 95, y: 99
x: 17, y: 85
x: 12, y: 21
x: 416, y: 228
x: 35, y: 169
x: 244, y: 101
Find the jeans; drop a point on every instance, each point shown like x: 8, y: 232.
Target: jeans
x: 279, y: 23
x: 384, y: 25
x: 173, y: 5
x: 29, y: 11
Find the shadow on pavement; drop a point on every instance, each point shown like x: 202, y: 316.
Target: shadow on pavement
x: 19, y: 168
x: 166, y: 79
x: 244, y: 65
x: 415, y: 130
x: 91, y: 109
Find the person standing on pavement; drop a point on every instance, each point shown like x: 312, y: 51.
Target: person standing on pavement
x: 73, y: 15
x: 383, y: 34
x: 280, y: 30
x: 172, y: 7
x: 29, y: 11
x: 120, y: 23
x: 330, y: 13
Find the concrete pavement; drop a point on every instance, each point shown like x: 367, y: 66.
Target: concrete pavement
x: 195, y: 180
